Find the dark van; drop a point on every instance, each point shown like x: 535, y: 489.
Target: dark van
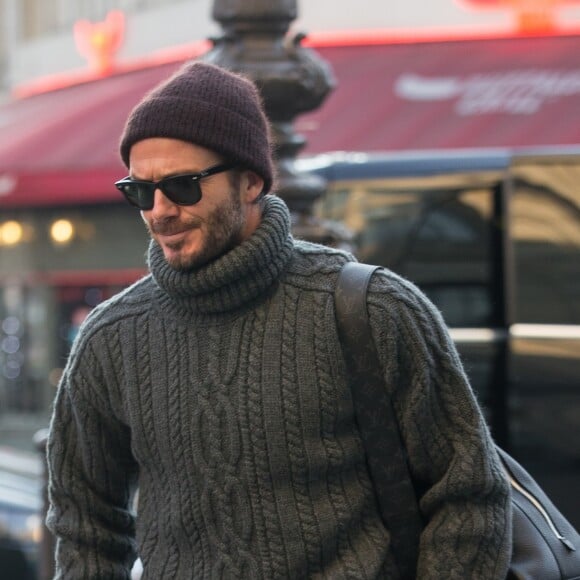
x: 493, y: 238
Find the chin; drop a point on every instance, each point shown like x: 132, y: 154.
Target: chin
x: 176, y: 257
x: 178, y: 261
x: 182, y: 261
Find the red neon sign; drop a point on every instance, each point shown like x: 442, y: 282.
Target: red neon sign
x: 532, y: 15
x: 99, y: 42
x: 529, y: 4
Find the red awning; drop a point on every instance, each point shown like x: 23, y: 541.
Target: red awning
x: 60, y: 147
x: 514, y: 92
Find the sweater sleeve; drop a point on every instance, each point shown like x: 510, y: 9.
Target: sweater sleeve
x: 466, y: 499
x: 92, y: 478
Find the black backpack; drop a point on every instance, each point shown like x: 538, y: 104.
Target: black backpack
x: 545, y: 544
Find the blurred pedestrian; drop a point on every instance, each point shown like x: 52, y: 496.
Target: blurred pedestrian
x: 216, y: 384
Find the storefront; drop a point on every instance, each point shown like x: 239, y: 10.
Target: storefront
x: 56, y: 264
x: 67, y: 240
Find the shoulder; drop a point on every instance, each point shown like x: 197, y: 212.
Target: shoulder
x: 392, y: 290
x: 315, y: 267
x: 132, y: 302
x: 395, y: 305
x: 400, y: 313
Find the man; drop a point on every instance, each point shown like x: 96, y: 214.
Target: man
x: 216, y: 384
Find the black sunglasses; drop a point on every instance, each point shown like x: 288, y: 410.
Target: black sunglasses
x: 180, y: 189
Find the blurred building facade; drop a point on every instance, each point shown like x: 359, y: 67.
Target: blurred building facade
x: 37, y: 37
x: 68, y: 241
x: 59, y: 257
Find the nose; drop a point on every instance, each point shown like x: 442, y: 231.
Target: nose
x: 163, y: 206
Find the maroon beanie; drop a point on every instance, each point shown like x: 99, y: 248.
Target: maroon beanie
x: 211, y: 107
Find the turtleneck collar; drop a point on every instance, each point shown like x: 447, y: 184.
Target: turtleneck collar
x: 237, y: 278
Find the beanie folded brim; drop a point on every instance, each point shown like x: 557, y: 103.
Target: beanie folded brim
x: 210, y: 107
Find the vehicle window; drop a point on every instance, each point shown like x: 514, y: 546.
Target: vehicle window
x: 545, y: 227
x: 439, y: 238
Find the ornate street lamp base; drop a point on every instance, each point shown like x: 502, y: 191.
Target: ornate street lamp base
x: 292, y: 80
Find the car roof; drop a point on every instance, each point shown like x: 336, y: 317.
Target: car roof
x: 355, y: 165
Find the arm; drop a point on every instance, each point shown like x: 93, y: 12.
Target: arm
x: 466, y: 504
x: 91, y: 479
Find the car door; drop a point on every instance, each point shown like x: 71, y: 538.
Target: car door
x: 544, y: 362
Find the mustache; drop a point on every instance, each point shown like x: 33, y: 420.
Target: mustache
x: 172, y: 225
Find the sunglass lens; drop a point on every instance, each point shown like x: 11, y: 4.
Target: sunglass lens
x: 182, y: 190
x: 138, y: 194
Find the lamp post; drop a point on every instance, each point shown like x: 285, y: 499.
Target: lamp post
x: 292, y: 80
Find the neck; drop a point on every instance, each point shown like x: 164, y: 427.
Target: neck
x: 237, y: 279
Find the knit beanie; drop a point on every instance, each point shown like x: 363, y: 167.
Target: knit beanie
x: 210, y: 107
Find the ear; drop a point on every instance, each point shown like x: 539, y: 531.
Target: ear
x: 251, y: 185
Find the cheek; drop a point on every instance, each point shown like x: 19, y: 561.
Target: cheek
x: 196, y: 218
x: 147, y: 218
x: 201, y: 213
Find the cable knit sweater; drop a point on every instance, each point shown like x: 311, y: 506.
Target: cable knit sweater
x: 221, y: 394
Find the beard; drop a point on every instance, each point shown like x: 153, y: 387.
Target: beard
x: 223, y: 231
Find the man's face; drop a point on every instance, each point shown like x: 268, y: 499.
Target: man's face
x: 191, y: 236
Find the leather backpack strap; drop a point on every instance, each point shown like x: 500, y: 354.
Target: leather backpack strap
x: 376, y: 419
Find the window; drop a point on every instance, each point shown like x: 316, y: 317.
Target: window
x: 545, y: 226
x: 435, y: 234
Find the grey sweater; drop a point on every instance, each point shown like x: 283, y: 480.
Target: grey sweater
x: 221, y: 394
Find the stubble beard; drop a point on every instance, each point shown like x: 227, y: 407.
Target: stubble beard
x: 223, y: 231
